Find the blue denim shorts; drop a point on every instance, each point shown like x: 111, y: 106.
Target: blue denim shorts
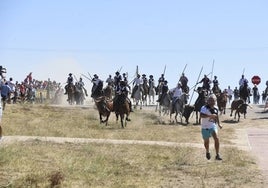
x: 207, y: 133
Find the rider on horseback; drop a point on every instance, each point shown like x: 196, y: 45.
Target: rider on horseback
x: 125, y: 79
x: 70, y: 82
x: 243, y: 81
x: 176, y: 94
x: 81, y: 84
x: 206, y: 83
x: 122, y: 89
x: 110, y: 80
x: 160, y: 82
x: 97, y: 86
x: 184, y: 82
x: 216, y: 89
x: 117, y: 78
x: 137, y: 82
x: 163, y: 92
x: 151, y: 80
x: 144, y: 79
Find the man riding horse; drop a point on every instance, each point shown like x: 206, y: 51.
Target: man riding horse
x: 96, y: 90
x: 137, y: 82
x: 69, y: 88
x: 163, y: 92
x: 121, y: 93
x: 244, y: 91
x: 184, y: 81
x: 160, y: 83
x: 176, y: 94
x: 70, y: 83
x: 216, y: 89
x: 206, y: 83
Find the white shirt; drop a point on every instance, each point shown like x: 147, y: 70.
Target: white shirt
x: 207, y: 123
x: 230, y: 92
x: 138, y: 81
x: 177, y: 92
x: 11, y: 85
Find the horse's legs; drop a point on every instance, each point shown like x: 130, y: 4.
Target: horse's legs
x: 176, y: 115
x: 231, y: 112
x: 100, y: 118
x: 122, y: 120
x: 106, y: 120
x: 116, y: 117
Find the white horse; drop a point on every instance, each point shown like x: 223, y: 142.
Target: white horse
x: 151, y: 93
x: 165, y: 105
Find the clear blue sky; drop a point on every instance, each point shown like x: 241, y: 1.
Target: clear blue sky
x: 52, y: 38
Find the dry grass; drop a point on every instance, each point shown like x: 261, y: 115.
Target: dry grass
x: 47, y: 164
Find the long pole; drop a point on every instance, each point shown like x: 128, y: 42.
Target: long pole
x: 89, y: 75
x: 211, y: 76
x: 196, y: 84
x: 137, y: 70
x: 120, y: 69
x: 75, y: 78
x: 184, y: 69
x: 86, y: 77
x: 164, y: 70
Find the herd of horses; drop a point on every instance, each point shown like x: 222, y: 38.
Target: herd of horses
x: 144, y: 96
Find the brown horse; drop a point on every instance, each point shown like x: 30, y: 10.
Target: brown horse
x: 222, y: 99
x: 108, y: 91
x: 70, y: 92
x: 105, y: 107
x: 244, y: 92
x: 121, y: 108
x: 145, y: 92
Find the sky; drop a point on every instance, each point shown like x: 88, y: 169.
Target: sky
x: 54, y: 38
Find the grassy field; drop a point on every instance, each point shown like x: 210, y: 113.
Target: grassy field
x: 47, y: 164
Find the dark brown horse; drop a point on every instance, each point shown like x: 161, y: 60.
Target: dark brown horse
x: 70, y: 92
x: 121, y: 108
x: 108, y: 91
x: 145, y: 92
x: 105, y: 107
x: 222, y: 99
x: 244, y: 92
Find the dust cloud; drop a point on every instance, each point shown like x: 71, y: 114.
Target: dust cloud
x: 58, y: 70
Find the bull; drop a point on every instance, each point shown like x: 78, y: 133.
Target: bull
x: 188, y: 109
x: 240, y: 107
